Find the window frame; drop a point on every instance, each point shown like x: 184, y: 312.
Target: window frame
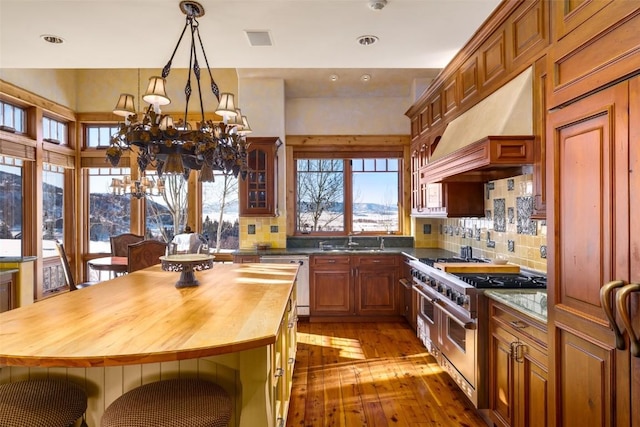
x: 339, y: 152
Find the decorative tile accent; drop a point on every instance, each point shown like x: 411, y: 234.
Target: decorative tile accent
x: 511, y: 215
x: 476, y: 233
x: 274, y: 228
x: 490, y: 186
x: 543, y: 251
x: 511, y: 245
x: 487, y: 214
x: 251, y: 229
x: 469, y: 233
x: 490, y: 243
x: 426, y: 229
x: 451, y: 230
x: 441, y: 229
x: 458, y: 230
x: 524, y: 223
x: 510, y: 184
x: 499, y: 219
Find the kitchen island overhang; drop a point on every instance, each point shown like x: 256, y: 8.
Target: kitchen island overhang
x: 139, y: 328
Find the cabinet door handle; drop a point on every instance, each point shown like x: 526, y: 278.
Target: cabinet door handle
x: 606, y: 302
x: 623, y: 309
x: 519, y: 353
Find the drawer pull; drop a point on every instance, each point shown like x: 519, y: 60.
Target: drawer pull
x: 518, y: 324
x: 607, y: 305
x: 279, y: 372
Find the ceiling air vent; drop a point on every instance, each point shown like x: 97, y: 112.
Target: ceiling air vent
x: 259, y: 38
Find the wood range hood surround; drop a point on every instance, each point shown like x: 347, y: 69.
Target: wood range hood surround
x: 492, y: 140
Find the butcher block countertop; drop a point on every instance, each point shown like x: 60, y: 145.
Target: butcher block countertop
x: 476, y: 267
x: 142, y: 318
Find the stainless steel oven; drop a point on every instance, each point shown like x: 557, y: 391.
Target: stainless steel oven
x: 452, y: 319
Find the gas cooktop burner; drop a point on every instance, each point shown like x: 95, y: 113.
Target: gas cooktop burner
x: 515, y: 281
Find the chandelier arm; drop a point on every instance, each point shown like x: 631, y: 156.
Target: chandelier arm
x: 167, y: 68
x: 196, y: 67
x: 214, y: 86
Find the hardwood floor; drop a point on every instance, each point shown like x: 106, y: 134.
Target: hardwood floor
x: 371, y: 374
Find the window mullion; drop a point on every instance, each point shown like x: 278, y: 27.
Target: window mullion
x: 348, y: 196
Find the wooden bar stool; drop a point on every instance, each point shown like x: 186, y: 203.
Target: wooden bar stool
x: 41, y: 403
x: 171, y: 403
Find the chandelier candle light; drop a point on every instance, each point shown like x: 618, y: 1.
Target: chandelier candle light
x: 139, y: 188
x: 174, y: 148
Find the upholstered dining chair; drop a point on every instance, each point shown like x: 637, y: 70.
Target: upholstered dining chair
x: 144, y: 254
x: 171, y: 403
x: 66, y: 269
x: 41, y: 403
x: 121, y: 242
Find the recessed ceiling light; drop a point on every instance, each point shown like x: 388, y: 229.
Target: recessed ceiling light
x: 333, y: 77
x: 367, y: 40
x: 52, y: 39
x: 365, y: 78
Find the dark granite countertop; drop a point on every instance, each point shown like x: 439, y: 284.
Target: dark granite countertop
x: 18, y: 259
x: 412, y: 252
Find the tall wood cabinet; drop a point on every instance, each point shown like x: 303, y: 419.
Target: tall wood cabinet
x: 594, y: 162
x: 259, y: 190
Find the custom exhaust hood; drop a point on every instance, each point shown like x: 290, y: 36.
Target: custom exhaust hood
x: 492, y: 140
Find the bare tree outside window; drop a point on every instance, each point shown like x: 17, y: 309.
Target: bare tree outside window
x: 220, y: 212
x: 167, y: 212
x: 320, y: 199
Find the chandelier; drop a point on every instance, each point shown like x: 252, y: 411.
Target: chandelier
x: 139, y: 188
x: 174, y: 147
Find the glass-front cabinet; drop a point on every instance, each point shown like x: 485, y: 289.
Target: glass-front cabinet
x: 258, y: 192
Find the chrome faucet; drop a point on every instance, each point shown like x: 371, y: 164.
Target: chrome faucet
x: 351, y: 242
x: 381, y: 242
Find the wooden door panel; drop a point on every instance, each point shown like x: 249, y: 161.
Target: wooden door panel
x: 501, y: 381
x: 330, y: 292
x: 587, y: 372
x: 535, y: 390
x: 376, y: 292
x: 590, y: 171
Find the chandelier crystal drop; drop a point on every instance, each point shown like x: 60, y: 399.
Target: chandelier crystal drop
x: 173, y: 146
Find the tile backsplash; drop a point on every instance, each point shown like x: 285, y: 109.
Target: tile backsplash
x: 255, y: 230
x: 507, y: 228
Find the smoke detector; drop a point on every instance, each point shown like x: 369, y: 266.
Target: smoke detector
x: 377, y: 4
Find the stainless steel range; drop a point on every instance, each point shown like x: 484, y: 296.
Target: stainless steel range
x: 452, y: 318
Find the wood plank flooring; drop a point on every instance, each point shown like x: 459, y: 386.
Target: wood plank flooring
x: 371, y: 374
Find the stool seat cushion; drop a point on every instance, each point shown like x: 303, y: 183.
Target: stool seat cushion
x: 171, y: 403
x: 41, y: 403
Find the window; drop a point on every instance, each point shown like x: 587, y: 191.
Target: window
x: 166, y: 213
x: 10, y: 206
x: 12, y: 118
x: 99, y: 135
x: 350, y: 195
x: 53, y: 207
x: 52, y: 226
x: 54, y: 131
x: 109, y: 214
x: 220, y: 206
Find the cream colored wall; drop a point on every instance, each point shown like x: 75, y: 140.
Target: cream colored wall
x: 59, y: 86
x: 347, y: 116
x: 98, y: 89
x: 263, y: 102
x: 528, y: 249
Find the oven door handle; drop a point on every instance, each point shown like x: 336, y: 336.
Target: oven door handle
x: 471, y: 325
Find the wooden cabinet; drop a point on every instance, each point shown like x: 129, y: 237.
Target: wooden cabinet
x: 239, y: 259
x: 595, y: 43
x: 357, y: 285
x: 452, y: 199
x: 376, y: 285
x: 259, y: 191
x: 7, y: 291
x: 518, y: 376
x: 283, y: 359
x: 594, y: 238
x: 330, y: 285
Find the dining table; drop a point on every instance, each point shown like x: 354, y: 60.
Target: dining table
x: 112, y: 264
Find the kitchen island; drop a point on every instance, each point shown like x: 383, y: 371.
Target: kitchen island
x: 237, y: 328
